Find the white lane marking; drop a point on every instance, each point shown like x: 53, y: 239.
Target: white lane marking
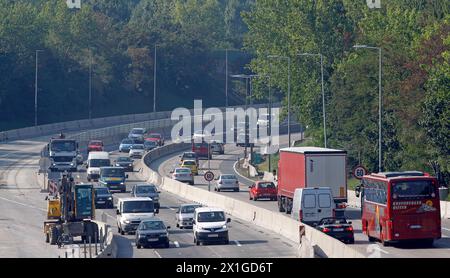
x: 176, y: 244
x: 237, y: 243
x: 171, y: 208
x: 381, y: 250
x: 22, y: 204
x: 110, y: 216
x: 157, y: 254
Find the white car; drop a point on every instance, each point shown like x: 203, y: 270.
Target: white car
x: 137, y: 133
x: 185, y: 215
x: 137, y: 151
x: 183, y: 175
x: 210, y: 225
x: 131, y: 211
x: 227, y: 182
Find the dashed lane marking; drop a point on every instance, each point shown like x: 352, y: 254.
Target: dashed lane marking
x: 157, y: 254
x: 22, y: 204
x: 176, y: 244
x: 237, y: 243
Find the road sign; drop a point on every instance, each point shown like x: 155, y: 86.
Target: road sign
x: 359, y: 171
x: 209, y: 176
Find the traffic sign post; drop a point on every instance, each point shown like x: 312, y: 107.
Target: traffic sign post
x: 359, y: 172
x: 209, y: 176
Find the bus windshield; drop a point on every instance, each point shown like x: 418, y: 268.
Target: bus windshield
x: 407, y: 190
x: 63, y: 146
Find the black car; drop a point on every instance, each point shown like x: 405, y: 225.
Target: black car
x: 125, y: 162
x: 152, y: 232
x: 338, y: 228
x: 103, y: 198
x: 147, y: 190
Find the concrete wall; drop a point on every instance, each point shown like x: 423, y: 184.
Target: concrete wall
x: 323, y: 245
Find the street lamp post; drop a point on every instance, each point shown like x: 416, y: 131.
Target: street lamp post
x: 154, y: 83
x: 289, y: 92
x: 323, y: 95
x: 36, y: 88
x: 380, y: 167
x: 90, y: 84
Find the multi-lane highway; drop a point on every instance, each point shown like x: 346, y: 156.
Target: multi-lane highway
x: 226, y: 163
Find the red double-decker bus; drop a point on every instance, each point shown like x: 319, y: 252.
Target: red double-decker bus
x: 398, y: 206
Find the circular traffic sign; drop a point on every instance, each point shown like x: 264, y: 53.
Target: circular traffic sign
x: 209, y: 176
x: 359, y: 171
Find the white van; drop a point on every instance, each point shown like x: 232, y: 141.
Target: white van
x: 210, y: 225
x: 310, y: 205
x: 131, y: 211
x: 95, y: 161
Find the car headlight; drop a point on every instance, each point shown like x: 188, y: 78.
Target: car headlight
x: 71, y: 164
x: 224, y: 227
x: 122, y: 183
x: 110, y: 198
x: 164, y: 235
x: 127, y: 221
x: 142, y: 235
x: 53, y: 164
x: 130, y: 164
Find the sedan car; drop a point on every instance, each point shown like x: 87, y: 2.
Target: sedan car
x: 137, y: 151
x: 183, y: 175
x: 338, y: 228
x: 137, y: 133
x: 103, y: 198
x: 125, y: 145
x: 147, y: 190
x: 227, y: 182
x: 185, y: 215
x: 95, y: 146
x: 191, y: 164
x: 263, y: 190
x: 189, y: 156
x: 124, y: 162
x: 150, y: 145
x: 152, y: 232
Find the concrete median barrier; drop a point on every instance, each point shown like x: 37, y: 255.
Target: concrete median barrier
x: 323, y: 245
x: 108, y: 245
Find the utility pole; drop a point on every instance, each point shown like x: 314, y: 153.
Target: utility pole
x: 36, y: 88
x: 90, y: 84
x: 154, y: 83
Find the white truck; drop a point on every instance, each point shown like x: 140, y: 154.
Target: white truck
x: 64, y: 155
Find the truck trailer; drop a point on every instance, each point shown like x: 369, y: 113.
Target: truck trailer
x: 311, y: 167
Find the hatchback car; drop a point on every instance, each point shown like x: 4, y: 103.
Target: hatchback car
x: 263, y: 190
x: 185, y: 215
x: 95, y: 146
x: 124, y: 162
x: 183, y: 175
x: 227, y: 182
x: 147, y: 190
x: 338, y: 228
x: 157, y: 137
x: 191, y: 164
x: 152, y: 232
x: 125, y: 145
x: 137, y: 151
x: 103, y: 198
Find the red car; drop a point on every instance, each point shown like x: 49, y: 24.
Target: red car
x: 155, y: 137
x: 263, y: 190
x: 95, y: 146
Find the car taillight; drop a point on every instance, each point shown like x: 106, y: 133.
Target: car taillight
x: 342, y: 205
x: 325, y: 230
x: 350, y: 229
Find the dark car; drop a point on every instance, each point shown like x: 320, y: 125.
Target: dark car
x: 147, y: 190
x: 189, y: 156
x: 124, y: 162
x: 338, y: 228
x: 103, y: 198
x: 150, y: 145
x: 152, y: 232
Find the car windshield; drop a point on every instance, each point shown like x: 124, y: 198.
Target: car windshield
x: 266, y: 185
x: 150, y: 143
x: 137, y: 147
x: 137, y: 131
x: 138, y: 207
x: 124, y: 159
x: 153, y: 225
x: 182, y: 171
x: 113, y: 172
x: 99, y: 162
x: 228, y: 177
x: 189, y: 163
x: 127, y: 141
x: 63, y: 146
x: 333, y: 221
x: 102, y: 191
x: 146, y: 189
x: 412, y: 189
x: 211, y: 216
x: 189, y: 155
x: 189, y: 209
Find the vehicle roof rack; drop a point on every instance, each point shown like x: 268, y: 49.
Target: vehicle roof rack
x: 400, y: 174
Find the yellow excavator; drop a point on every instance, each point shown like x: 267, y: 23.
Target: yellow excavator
x: 70, y: 213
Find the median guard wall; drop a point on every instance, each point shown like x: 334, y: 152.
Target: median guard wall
x: 324, y: 246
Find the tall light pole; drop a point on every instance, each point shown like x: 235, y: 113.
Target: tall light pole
x: 226, y: 78
x: 154, y: 82
x: 289, y: 92
x: 380, y: 166
x: 323, y: 95
x: 36, y: 88
x: 90, y: 84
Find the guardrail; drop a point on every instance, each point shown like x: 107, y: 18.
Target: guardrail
x: 323, y: 245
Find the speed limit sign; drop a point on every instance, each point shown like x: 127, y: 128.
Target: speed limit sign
x: 209, y: 176
x: 359, y: 171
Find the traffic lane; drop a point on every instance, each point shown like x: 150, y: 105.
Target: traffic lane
x: 245, y: 241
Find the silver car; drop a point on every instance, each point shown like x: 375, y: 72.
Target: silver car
x: 185, y: 215
x: 227, y: 182
x: 137, y: 151
x: 183, y: 175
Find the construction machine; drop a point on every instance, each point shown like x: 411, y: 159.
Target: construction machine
x: 70, y: 213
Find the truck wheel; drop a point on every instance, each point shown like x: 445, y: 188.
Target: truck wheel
x: 138, y: 246
x: 47, y: 237
x: 280, y: 204
x: 54, y: 234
